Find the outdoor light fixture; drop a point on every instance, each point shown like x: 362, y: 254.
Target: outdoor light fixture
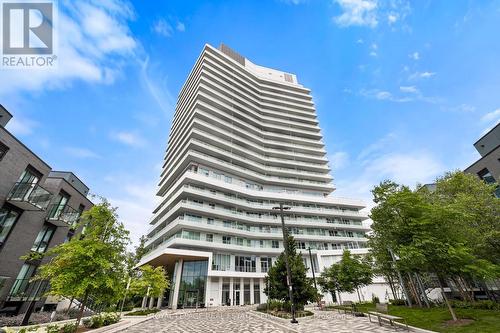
x: 288, y: 271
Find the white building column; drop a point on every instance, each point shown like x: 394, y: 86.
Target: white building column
x: 252, y: 300
x: 231, y: 290
x: 159, y: 301
x: 219, y: 297
x: 262, y: 285
x: 178, y: 272
x: 242, y: 291
x: 207, y: 291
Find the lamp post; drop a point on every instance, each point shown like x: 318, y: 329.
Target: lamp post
x: 314, y: 275
x: 288, y: 271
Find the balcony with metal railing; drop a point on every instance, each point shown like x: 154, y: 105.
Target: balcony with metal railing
x: 29, y: 196
x: 62, y: 216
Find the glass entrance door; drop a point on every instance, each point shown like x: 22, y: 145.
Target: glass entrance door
x: 191, y: 299
x: 237, y: 297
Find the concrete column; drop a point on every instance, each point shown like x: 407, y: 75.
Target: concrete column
x: 252, y: 300
x: 231, y: 290
x: 242, y: 291
x: 151, y: 302
x: 219, y: 297
x: 178, y: 272
x: 159, y: 301
x: 207, y: 291
x: 144, y: 302
x: 257, y: 264
x: 262, y: 285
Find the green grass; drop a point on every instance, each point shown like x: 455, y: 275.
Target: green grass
x: 485, y: 321
x: 142, y: 312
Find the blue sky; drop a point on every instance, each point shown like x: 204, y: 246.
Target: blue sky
x: 402, y: 88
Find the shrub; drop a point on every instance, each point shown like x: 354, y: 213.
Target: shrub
x: 262, y: 307
x: 52, y: 329
x: 69, y: 328
x: 375, y: 299
x: 480, y: 305
x: 397, y: 302
x: 142, y: 312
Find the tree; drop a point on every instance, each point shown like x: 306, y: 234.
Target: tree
x: 276, y: 279
x: 353, y: 273
x: 150, y: 281
x: 328, y: 281
x: 450, y: 232
x: 92, y: 266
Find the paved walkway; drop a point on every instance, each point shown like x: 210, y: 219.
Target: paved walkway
x: 243, y: 320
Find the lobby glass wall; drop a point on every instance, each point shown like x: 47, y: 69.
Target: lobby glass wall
x: 193, y: 282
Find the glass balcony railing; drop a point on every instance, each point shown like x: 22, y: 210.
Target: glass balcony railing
x: 30, y: 193
x: 24, y: 289
x: 65, y: 214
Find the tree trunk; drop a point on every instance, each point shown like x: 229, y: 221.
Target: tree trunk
x: 452, y: 312
x: 414, y: 291
x: 359, y: 297
x: 70, y: 304
x: 334, y: 297
x: 391, y: 285
x: 340, y: 298
x: 82, y: 308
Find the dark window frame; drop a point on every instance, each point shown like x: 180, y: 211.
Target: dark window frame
x: 4, y: 149
x: 19, y: 212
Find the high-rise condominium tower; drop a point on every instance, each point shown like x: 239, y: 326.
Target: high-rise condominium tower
x: 244, y: 139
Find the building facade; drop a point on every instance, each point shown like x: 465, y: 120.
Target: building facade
x: 244, y: 139
x: 488, y: 166
x: 38, y: 210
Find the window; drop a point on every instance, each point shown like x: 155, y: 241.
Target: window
x: 3, y: 150
x: 275, y: 244
x: 210, y: 238
x: 485, y: 175
x: 204, y: 171
x: 239, y: 241
x: 228, y: 179
x: 43, y: 238
x: 221, y: 262
x: 265, y: 264
x: 210, y: 221
x: 22, y: 280
x: 59, y: 205
x: 301, y: 245
x: 226, y: 239
x: 8, y: 218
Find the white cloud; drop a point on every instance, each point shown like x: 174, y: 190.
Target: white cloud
x: 382, y: 95
x: 294, y: 2
x: 360, y: 41
x: 373, y: 54
x: 163, y: 28
x: 370, y: 13
x: 381, y: 160
x: 409, y: 89
x: 157, y: 87
x: 339, y: 160
x: 415, y: 56
x: 21, y: 126
x: 421, y: 75
x: 81, y: 152
x: 357, y: 13
x: 93, y: 42
x: 460, y: 108
x: 129, y: 138
x: 180, y: 27
x: 491, y: 116
x: 135, y: 202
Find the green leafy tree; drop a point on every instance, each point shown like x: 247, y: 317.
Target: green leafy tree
x: 92, y: 266
x: 152, y: 279
x: 450, y: 232
x: 328, y: 281
x: 353, y: 273
x: 276, y: 280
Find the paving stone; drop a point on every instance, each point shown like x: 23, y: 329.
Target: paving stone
x: 242, y: 320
